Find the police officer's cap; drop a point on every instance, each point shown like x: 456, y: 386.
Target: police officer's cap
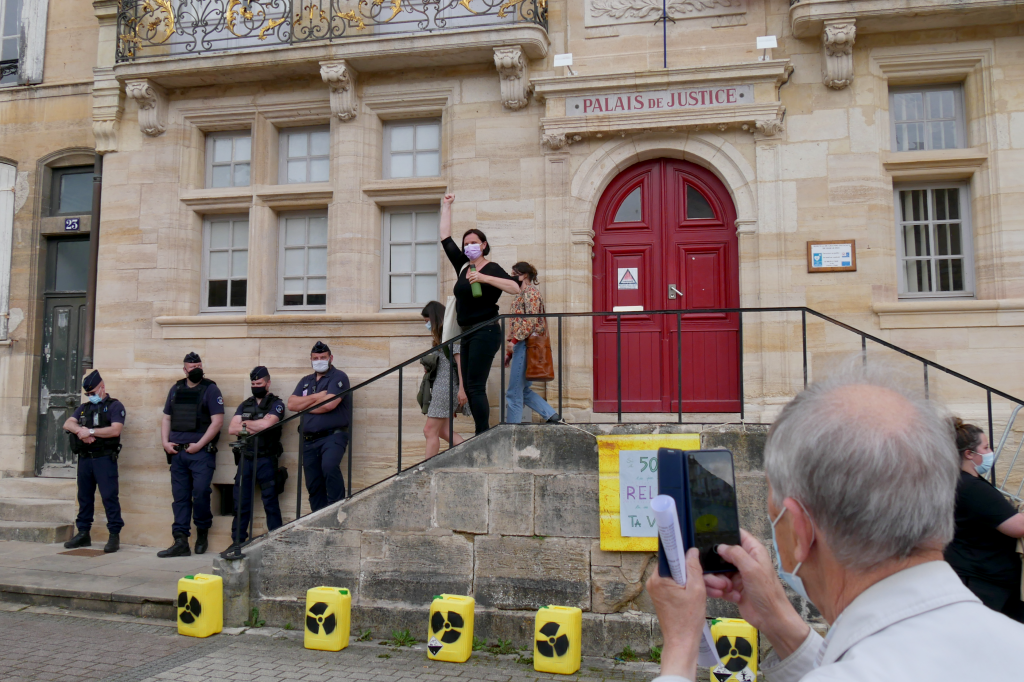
x: 260, y: 372
x: 92, y: 380
x: 320, y: 347
x: 193, y: 358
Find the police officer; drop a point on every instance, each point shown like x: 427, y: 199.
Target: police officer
x: 193, y: 415
x: 257, y: 414
x: 325, y: 429
x: 95, y: 429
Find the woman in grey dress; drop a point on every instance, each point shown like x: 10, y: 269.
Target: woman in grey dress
x: 441, y: 403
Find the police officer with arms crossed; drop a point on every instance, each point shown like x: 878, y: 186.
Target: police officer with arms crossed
x: 193, y: 415
x: 96, y: 426
x: 256, y: 414
x: 325, y: 429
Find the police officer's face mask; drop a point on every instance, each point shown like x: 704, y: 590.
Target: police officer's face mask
x: 195, y: 375
x: 259, y: 392
x: 321, y: 366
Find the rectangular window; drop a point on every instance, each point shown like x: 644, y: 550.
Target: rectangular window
x: 410, y: 256
x: 305, y: 155
x: 228, y: 157
x: 10, y: 18
x: 303, y: 263
x: 935, y: 242
x: 926, y: 118
x: 225, y: 263
x: 412, y: 149
x: 71, y: 193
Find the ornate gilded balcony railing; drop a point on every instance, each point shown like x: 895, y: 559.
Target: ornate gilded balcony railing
x: 152, y: 28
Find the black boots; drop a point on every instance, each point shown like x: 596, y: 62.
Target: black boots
x: 232, y: 551
x: 80, y: 540
x: 113, y: 543
x: 202, y: 541
x: 179, y: 548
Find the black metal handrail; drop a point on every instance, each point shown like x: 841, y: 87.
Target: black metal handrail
x: 152, y: 28
x: 680, y: 316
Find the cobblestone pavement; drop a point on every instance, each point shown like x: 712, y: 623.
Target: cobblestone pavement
x: 49, y: 644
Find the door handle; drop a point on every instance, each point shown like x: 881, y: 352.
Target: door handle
x: 673, y: 292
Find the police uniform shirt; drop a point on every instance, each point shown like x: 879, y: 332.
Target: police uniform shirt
x: 334, y: 381
x: 276, y: 408
x: 114, y: 409
x: 213, y: 403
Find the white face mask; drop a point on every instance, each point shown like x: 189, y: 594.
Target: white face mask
x: 987, y: 460
x: 427, y: 325
x: 791, y: 579
x: 321, y: 366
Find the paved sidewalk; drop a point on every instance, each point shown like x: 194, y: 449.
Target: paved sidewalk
x: 49, y: 644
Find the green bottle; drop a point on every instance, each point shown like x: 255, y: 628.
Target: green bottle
x: 475, y: 286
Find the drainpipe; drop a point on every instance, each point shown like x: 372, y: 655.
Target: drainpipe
x: 94, y: 255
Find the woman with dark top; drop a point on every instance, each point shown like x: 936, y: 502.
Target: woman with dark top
x: 480, y: 347
x: 984, y: 548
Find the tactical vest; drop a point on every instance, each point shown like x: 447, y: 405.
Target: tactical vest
x: 97, y: 417
x: 188, y: 410
x: 270, y: 440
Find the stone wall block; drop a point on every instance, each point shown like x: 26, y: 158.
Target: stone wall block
x: 567, y: 506
x: 607, y: 634
x: 303, y: 558
x: 491, y: 450
x: 527, y: 573
x: 747, y: 446
x: 235, y: 575
x: 554, y: 448
x: 752, y: 498
x: 404, y: 506
x: 416, y: 567
x: 510, y: 504
x: 460, y: 501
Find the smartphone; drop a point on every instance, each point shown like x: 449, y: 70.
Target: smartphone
x: 672, y: 482
x: 714, y: 514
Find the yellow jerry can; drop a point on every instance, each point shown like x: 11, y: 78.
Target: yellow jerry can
x: 558, y: 634
x: 736, y: 642
x: 450, y: 633
x: 200, y: 605
x: 328, y: 614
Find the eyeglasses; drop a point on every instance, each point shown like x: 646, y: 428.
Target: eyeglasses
x: 92, y: 392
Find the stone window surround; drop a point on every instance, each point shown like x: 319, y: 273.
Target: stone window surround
x: 958, y: 104
x: 385, y: 269
x: 8, y: 178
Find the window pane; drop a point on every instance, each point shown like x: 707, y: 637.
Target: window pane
x: 401, y: 138
x: 428, y: 136
x: 913, y: 205
x: 240, y: 263
x: 293, y: 286
x: 221, y: 149
x: 241, y: 230
x: 316, y: 285
x: 426, y: 258
x: 218, y: 265
x: 940, y: 104
x: 238, y: 288
x: 9, y: 50
x: 320, y: 143
x: 918, y: 274
x: 317, y: 259
x: 243, y: 148
x: 221, y: 176
x: 908, y: 106
x: 72, y: 265
x: 950, y: 274
x: 401, y: 289
x: 297, y: 171
x: 426, y: 288
x: 318, y: 230
x: 629, y: 209
x: 428, y: 164
x: 75, y: 193
x: 950, y: 201
x: 401, y: 227
x: 298, y: 145
x: 295, y: 262
x: 217, y: 293
x: 319, y: 170
x: 295, y: 231
x: 915, y: 241
x: 220, y: 235
x: 241, y: 174
x: 955, y: 244
x: 427, y: 226
x: 401, y: 258
x: 697, y: 207
x: 401, y: 165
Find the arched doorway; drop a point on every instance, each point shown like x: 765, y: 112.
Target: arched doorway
x: 665, y: 239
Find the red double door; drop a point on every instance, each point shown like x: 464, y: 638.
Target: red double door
x: 665, y: 239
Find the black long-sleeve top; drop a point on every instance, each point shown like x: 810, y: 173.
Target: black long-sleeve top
x: 468, y: 310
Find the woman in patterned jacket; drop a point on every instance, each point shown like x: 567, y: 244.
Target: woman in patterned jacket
x: 527, y: 302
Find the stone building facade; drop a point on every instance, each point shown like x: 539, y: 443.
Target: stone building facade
x: 275, y: 179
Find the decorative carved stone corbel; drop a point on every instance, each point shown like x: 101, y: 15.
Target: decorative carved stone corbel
x: 514, y: 72
x: 341, y: 78
x: 837, y: 53
x: 770, y: 127
x: 152, y: 101
x: 559, y: 140
x: 107, y: 107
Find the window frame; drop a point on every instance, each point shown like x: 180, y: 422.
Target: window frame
x: 958, y: 104
x: 386, y: 243
x: 205, y: 292
x: 966, y: 237
x: 211, y: 139
x: 56, y: 175
x: 283, y: 158
x: 20, y: 7
x: 282, y: 218
x: 386, y: 147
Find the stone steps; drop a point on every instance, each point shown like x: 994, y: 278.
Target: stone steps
x: 38, y: 509
x: 36, y: 531
x: 39, y: 488
x: 32, y: 509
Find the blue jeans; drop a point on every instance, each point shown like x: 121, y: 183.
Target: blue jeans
x: 519, y: 391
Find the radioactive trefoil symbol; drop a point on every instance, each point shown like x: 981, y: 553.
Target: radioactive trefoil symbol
x: 439, y: 624
x: 554, y: 644
x: 192, y: 608
x: 315, y: 619
x: 735, y: 654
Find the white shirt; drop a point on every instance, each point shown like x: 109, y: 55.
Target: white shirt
x: 922, y: 623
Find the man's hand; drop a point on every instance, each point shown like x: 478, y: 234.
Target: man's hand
x: 193, y: 448
x: 170, y: 448
x: 88, y: 440
x: 82, y: 432
x: 681, y: 613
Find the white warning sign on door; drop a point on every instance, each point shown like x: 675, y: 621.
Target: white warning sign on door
x: 628, y: 278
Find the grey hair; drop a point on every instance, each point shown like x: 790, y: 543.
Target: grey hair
x: 879, y: 484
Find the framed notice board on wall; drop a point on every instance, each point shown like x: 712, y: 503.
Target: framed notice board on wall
x: 838, y: 255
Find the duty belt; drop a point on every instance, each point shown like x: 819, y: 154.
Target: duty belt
x: 317, y: 435
x: 110, y: 452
